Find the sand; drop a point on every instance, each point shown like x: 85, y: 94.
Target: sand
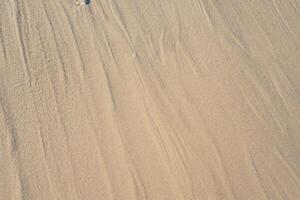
x: 150, y: 100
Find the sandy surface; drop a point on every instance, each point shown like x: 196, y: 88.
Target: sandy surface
x: 150, y: 100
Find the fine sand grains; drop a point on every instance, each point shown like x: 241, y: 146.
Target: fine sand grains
x: 149, y: 100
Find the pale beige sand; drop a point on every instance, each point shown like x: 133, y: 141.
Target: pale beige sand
x: 150, y: 99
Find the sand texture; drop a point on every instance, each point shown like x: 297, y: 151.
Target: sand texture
x: 150, y: 100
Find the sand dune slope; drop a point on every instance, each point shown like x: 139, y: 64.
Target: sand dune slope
x: 150, y: 100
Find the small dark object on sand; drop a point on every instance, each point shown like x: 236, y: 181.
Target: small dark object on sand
x: 87, y: 2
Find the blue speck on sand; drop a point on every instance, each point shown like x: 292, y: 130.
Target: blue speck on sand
x: 87, y: 2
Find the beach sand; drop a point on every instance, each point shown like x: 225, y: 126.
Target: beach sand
x: 150, y: 100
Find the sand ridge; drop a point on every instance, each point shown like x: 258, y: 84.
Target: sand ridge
x: 149, y: 99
